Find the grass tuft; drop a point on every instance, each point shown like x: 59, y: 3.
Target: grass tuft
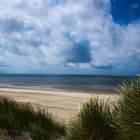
x: 18, y: 117
x: 93, y: 122
x: 128, y: 120
x: 99, y: 120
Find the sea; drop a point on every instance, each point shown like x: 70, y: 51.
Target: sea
x: 81, y: 83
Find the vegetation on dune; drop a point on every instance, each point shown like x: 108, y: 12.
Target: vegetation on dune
x: 18, y: 117
x: 93, y: 122
x: 128, y: 120
x: 96, y: 120
x: 99, y: 120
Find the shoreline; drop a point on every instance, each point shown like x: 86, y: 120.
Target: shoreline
x: 95, y: 88
x: 63, y: 104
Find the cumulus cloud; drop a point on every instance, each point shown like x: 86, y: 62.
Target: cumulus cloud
x: 68, y: 36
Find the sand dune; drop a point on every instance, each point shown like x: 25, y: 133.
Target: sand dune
x: 63, y: 104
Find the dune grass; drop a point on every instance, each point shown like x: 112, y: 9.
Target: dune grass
x: 18, y: 117
x: 93, y: 122
x: 128, y: 120
x: 96, y: 120
x: 99, y: 120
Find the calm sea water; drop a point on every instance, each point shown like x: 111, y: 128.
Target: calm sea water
x: 64, y: 82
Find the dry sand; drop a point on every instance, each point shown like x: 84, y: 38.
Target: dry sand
x: 63, y: 104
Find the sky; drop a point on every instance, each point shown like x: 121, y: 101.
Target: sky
x: 70, y: 37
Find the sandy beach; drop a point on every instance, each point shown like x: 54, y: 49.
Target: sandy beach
x: 63, y: 104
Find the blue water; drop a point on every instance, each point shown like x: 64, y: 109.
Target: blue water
x: 64, y: 82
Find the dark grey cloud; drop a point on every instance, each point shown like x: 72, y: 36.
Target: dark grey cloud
x: 80, y: 52
x: 102, y: 66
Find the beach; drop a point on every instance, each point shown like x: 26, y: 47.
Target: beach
x: 61, y: 103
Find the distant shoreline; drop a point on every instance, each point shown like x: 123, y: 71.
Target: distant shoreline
x: 96, y: 75
x: 71, y: 83
x: 100, y: 89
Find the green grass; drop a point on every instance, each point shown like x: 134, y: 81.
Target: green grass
x: 96, y: 120
x: 18, y: 117
x: 99, y: 120
x: 93, y: 122
x: 128, y: 120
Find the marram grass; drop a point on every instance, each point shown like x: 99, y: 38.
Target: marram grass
x: 96, y: 120
x: 128, y: 120
x: 18, y: 117
x: 93, y: 122
x: 99, y: 120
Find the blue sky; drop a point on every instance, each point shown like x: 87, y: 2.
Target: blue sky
x: 70, y: 36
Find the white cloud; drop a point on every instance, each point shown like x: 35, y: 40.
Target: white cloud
x: 43, y: 33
